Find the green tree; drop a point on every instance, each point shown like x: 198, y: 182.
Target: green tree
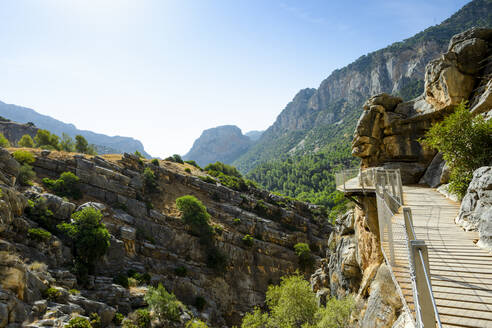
x: 194, y: 213
x: 81, y: 144
x: 150, y: 180
x: 46, y: 140
x: 195, y: 323
x: 89, y: 235
x: 26, y: 141
x: 303, y: 252
x: 3, y: 141
x: 162, y: 304
x: 67, y: 144
x: 66, y: 186
x: 465, y: 142
x: 336, y: 313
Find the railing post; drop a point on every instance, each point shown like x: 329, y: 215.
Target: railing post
x: 393, y: 182
x: 424, y: 294
x: 343, y: 177
x: 400, y: 187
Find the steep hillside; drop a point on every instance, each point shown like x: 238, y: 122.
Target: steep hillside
x: 104, y: 144
x: 318, y: 119
x: 223, y: 143
x: 254, y: 135
x: 250, y: 241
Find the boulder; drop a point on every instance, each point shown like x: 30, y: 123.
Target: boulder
x: 61, y: 209
x: 477, y: 202
x: 433, y: 176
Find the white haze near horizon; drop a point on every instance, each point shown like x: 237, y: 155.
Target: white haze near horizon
x: 164, y: 71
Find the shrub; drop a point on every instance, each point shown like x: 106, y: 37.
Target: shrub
x: 121, y: 279
x: 3, y: 141
x: 51, y: 294
x: 65, y: 186
x: 150, y: 180
x: 118, y: 318
x: 303, y: 252
x: 26, y: 175
x: 236, y: 221
x: 194, y: 214
x: 208, y: 179
x: 163, y: 304
x: 95, y: 320
x: 24, y: 157
x: 67, y: 144
x: 132, y: 282
x: 187, y: 170
x: 155, y: 162
x: 46, y: 140
x: 180, y: 271
x: 248, y: 240
x: 89, y: 235
x: 142, y: 318
x: 38, y: 211
x: 336, y: 313
x: 38, y: 266
x: 223, y: 168
x: 39, y: 234
x: 195, y: 323
x: 79, y: 322
x: 26, y: 141
x: 178, y: 159
x: 138, y: 154
x: 200, y: 303
x: 74, y: 291
x: 465, y: 142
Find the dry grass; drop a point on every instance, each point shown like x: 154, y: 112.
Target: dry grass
x: 38, y: 266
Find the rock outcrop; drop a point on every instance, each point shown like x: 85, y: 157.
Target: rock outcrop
x: 223, y: 143
x: 13, y: 131
x: 147, y: 235
x: 476, y: 207
x: 388, y: 130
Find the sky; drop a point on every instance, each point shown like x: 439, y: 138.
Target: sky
x: 163, y: 71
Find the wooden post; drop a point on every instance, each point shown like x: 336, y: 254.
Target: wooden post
x: 419, y: 247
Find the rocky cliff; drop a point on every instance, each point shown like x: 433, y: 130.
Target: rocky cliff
x: 223, y: 143
x: 13, y: 131
x: 147, y: 235
x: 387, y: 135
x: 104, y: 144
x: 317, y: 119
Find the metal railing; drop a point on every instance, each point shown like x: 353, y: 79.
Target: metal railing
x: 393, y: 234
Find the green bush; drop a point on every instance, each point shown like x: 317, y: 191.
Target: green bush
x: 195, y: 323
x: 336, y: 313
x: 24, y: 157
x: 95, y: 320
x: 46, y: 140
x: 118, y: 318
x: 178, y: 159
x: 236, y: 221
x: 65, y: 186
x: 51, y: 294
x: 208, y: 179
x: 465, y: 142
x: 150, y: 180
x: 26, y: 141
x: 67, y: 144
x: 200, y: 303
x: 79, y: 322
x: 180, y: 271
x: 164, y: 305
x: 74, y: 291
x: 142, y: 318
x: 303, y: 252
x: 38, y: 211
x: 139, y: 154
x: 26, y: 175
x: 194, y: 214
x: 39, y: 234
x: 155, y: 162
x: 248, y: 240
x: 3, y: 141
x: 89, y: 236
x: 223, y: 168
x: 187, y: 170
x: 121, y: 279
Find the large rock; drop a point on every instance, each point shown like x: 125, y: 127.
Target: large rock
x: 61, y: 209
x: 437, y: 172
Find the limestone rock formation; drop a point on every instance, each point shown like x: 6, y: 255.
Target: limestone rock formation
x: 13, y: 131
x: 145, y: 238
x: 388, y: 130
x: 476, y: 207
x: 223, y: 143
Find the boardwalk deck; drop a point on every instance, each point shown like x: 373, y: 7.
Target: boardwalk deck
x: 461, y: 272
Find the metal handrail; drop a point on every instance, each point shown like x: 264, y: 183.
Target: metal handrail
x: 429, y: 286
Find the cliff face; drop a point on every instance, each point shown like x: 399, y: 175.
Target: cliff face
x: 104, y: 144
x: 147, y: 235
x: 223, y: 143
x: 13, y: 131
x: 318, y: 118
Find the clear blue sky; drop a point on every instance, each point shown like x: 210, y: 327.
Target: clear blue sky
x: 163, y: 71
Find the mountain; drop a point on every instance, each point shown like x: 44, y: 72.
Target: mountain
x: 318, y: 120
x: 104, y: 144
x: 223, y: 143
x: 254, y: 135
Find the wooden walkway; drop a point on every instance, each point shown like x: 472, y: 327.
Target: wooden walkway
x: 461, y: 272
